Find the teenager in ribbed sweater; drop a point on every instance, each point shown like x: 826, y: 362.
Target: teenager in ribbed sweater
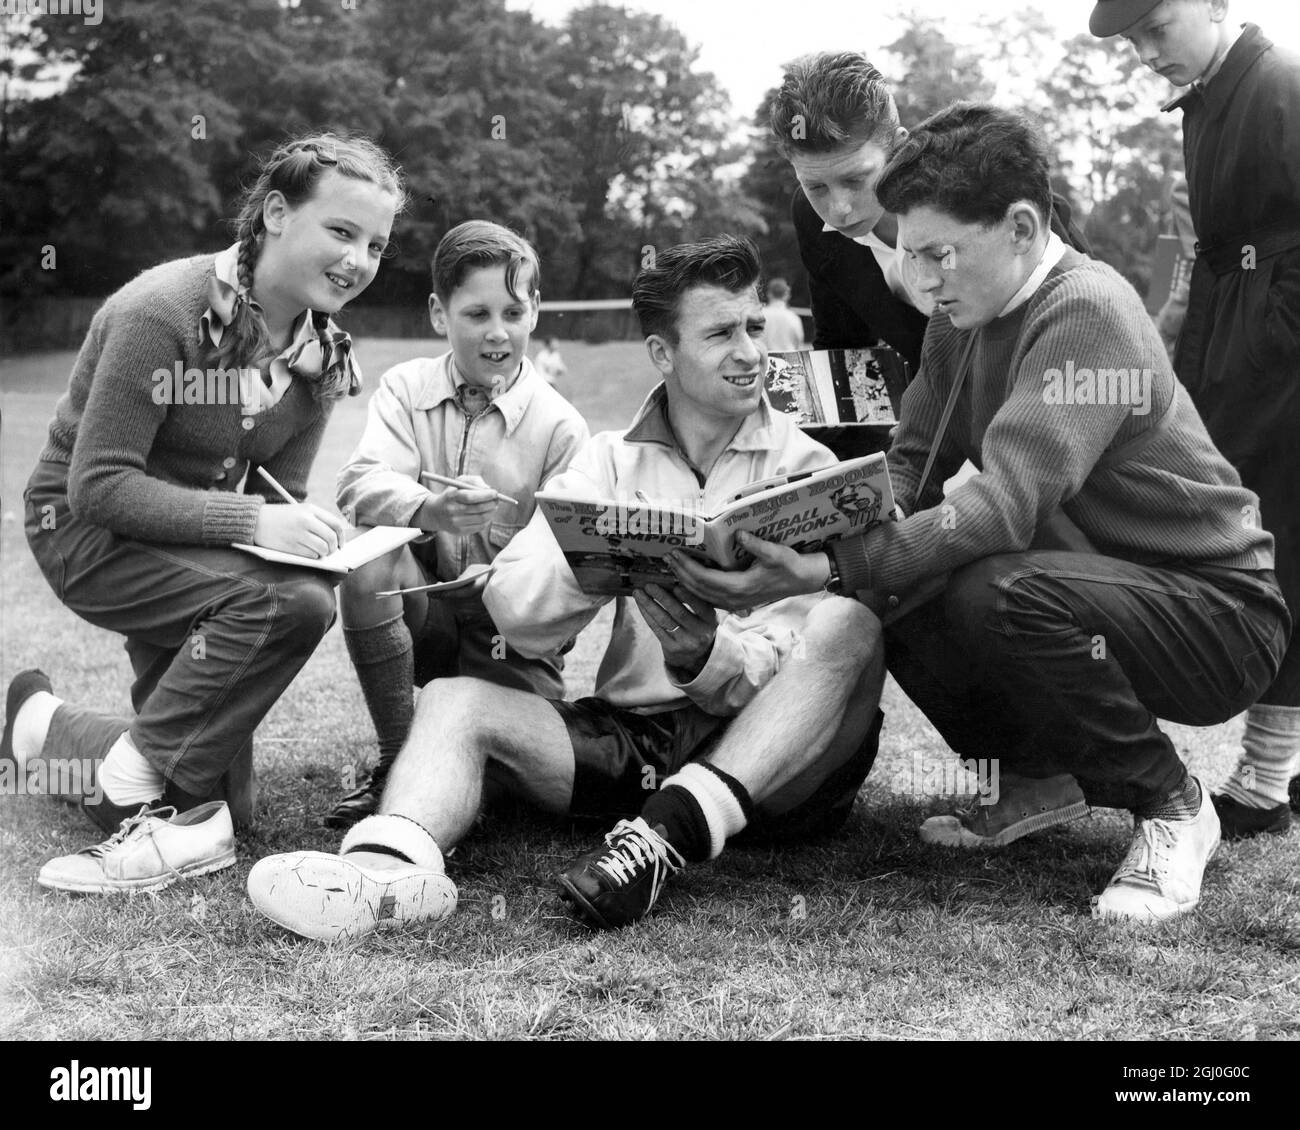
x: 192, y: 377
x: 1053, y: 660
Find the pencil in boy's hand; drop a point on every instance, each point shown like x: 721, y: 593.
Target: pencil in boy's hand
x: 445, y: 481
x: 277, y: 487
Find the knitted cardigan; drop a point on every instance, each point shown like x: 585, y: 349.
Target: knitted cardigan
x: 148, y: 468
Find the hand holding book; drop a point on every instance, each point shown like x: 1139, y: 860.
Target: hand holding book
x: 683, y: 623
x: 775, y: 573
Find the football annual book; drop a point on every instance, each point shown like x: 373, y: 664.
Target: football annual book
x: 615, y: 546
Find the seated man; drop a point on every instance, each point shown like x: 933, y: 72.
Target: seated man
x: 703, y: 722
x: 1058, y: 661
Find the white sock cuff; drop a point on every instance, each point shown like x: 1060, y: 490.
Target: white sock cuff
x: 126, y: 776
x: 398, y: 833
x: 32, y: 724
x: 722, y: 811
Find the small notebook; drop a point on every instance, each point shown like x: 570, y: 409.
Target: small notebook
x: 359, y: 551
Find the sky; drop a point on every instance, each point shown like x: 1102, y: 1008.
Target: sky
x: 744, y: 42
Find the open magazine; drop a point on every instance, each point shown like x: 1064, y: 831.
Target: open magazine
x: 615, y: 546
x: 847, y: 399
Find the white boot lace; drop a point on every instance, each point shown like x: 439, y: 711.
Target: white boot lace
x: 1147, y: 862
x: 634, y: 845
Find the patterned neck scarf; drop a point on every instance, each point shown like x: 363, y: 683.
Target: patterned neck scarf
x: 320, y: 353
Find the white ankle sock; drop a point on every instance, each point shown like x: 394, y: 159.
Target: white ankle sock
x: 31, y: 724
x: 722, y: 811
x: 126, y: 777
x: 1269, y: 760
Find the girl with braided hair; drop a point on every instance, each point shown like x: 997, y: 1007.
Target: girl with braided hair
x: 193, y: 378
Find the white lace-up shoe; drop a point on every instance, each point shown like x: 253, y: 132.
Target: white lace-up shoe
x: 150, y: 850
x: 1160, y: 877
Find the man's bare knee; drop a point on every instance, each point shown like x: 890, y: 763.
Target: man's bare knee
x: 845, y: 632
x: 459, y: 705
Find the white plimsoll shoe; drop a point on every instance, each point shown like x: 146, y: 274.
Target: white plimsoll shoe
x: 151, y: 850
x: 1160, y: 877
x: 334, y: 897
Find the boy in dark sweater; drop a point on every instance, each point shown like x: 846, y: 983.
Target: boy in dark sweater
x: 1239, y: 349
x: 1053, y: 660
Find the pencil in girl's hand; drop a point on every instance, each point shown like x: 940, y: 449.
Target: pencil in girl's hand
x: 277, y: 487
x: 445, y: 481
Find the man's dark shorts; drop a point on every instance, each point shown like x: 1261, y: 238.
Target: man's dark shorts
x: 621, y: 757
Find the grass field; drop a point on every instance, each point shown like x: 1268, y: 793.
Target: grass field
x: 871, y: 934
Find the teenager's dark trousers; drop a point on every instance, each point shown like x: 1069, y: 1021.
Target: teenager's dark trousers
x: 214, y: 635
x: 1059, y: 662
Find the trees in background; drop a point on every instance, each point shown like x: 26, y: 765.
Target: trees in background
x: 596, y: 138
x: 1098, y: 108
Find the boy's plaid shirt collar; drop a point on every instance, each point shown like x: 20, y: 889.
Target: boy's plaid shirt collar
x: 444, y: 384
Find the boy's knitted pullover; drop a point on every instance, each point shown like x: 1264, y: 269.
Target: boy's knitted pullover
x: 166, y: 472
x: 1027, y: 421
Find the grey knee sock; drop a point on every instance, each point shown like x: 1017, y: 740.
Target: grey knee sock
x: 1271, y: 749
x: 384, y: 658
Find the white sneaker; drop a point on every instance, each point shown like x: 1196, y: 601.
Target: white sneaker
x: 1160, y: 877
x: 151, y: 850
x: 332, y: 897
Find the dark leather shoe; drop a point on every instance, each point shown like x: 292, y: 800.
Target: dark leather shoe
x: 618, y: 883
x: 357, y: 805
x: 1294, y: 792
x: 1240, y: 821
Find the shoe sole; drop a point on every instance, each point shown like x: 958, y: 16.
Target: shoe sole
x: 11, y: 709
x: 133, y: 886
x: 943, y: 835
x: 327, y: 899
x: 586, y: 912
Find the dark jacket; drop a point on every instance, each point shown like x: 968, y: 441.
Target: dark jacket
x: 1239, y: 350
x: 852, y: 305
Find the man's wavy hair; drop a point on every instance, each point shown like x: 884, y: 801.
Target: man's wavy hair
x: 971, y: 160
x: 829, y: 99
x: 725, y: 261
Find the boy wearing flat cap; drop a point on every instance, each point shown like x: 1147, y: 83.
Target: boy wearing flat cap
x: 1239, y: 350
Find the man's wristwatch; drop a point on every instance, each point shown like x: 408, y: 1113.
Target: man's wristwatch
x: 834, y: 584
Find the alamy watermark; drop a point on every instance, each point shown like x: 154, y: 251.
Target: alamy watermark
x: 1072, y: 385
x: 179, y: 385
x: 90, y: 11
x: 949, y: 777
x: 52, y: 776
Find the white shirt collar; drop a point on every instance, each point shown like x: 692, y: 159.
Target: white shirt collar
x: 1051, y: 256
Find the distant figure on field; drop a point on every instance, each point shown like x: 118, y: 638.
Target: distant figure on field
x: 784, y: 326
x: 549, y: 362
